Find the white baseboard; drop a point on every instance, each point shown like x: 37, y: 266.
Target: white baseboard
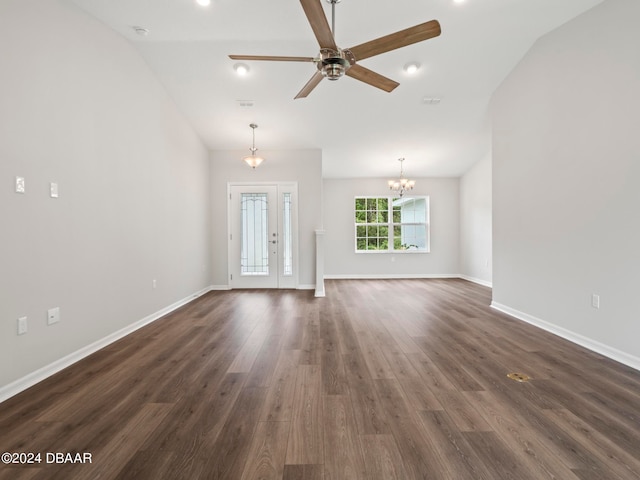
x: 388, y: 276
x: 479, y: 281
x: 228, y: 287
x: 41, y: 374
x: 593, y: 345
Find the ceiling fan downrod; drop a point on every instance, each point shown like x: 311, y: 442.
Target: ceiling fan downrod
x: 333, y: 63
x: 333, y: 15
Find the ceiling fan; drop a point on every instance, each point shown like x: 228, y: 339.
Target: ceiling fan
x: 333, y: 62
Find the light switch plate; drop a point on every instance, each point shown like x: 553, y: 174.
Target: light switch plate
x: 53, y: 190
x: 22, y: 325
x: 20, y: 186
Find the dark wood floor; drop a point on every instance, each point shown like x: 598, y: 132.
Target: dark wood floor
x: 396, y: 379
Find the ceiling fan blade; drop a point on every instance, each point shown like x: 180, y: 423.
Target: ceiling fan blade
x: 319, y: 24
x: 311, y: 84
x: 409, y: 36
x: 271, y: 58
x: 372, y: 78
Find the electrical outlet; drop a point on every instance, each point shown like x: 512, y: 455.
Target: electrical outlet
x: 595, y: 301
x: 22, y: 325
x: 53, y: 315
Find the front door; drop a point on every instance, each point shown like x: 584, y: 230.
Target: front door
x: 262, y: 240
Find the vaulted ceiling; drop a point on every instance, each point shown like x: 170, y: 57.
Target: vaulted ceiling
x: 361, y: 130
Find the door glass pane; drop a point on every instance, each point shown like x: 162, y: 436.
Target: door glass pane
x: 254, y: 252
x: 287, y: 249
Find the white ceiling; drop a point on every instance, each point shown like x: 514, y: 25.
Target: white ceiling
x: 361, y: 130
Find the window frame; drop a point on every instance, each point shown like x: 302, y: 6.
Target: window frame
x: 389, y: 224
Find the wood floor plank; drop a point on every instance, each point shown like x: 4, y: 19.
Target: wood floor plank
x: 305, y: 444
x: 342, y: 449
x: 399, y: 335
x: 466, y: 417
x: 382, y: 458
x: 419, y: 456
x: 420, y: 397
x: 227, y: 456
x: 368, y: 410
x: 250, y: 350
x: 438, y: 350
x: 198, y: 417
x: 376, y: 363
x: 599, y: 417
x: 538, y: 459
x: 334, y: 380
x: 108, y: 461
x: 347, y: 339
x: 311, y: 348
x: 615, y: 462
x: 498, y: 456
x: 278, y: 406
x: 303, y: 472
x: 267, y: 452
x: 20, y: 473
x: 400, y: 365
x: 458, y: 456
x: 265, y: 364
x: 433, y: 377
x: 152, y: 464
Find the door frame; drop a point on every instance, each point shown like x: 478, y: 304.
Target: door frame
x: 291, y: 187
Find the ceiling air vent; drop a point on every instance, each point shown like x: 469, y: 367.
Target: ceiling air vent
x: 431, y: 100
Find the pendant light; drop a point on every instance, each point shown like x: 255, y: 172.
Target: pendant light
x: 253, y: 160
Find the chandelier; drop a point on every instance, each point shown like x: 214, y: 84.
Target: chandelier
x: 253, y: 160
x: 401, y: 185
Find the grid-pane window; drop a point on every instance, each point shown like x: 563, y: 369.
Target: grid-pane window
x: 392, y: 224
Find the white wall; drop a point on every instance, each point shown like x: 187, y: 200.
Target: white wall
x: 79, y: 107
x: 341, y: 259
x: 566, y: 176
x: 302, y: 166
x: 475, y: 223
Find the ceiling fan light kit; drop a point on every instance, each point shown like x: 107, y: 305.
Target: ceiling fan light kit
x: 333, y: 62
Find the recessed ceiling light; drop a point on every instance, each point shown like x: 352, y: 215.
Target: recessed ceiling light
x: 458, y: 1
x: 241, y: 69
x: 203, y: 3
x: 411, y: 67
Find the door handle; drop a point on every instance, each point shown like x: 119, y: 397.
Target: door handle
x: 274, y: 241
